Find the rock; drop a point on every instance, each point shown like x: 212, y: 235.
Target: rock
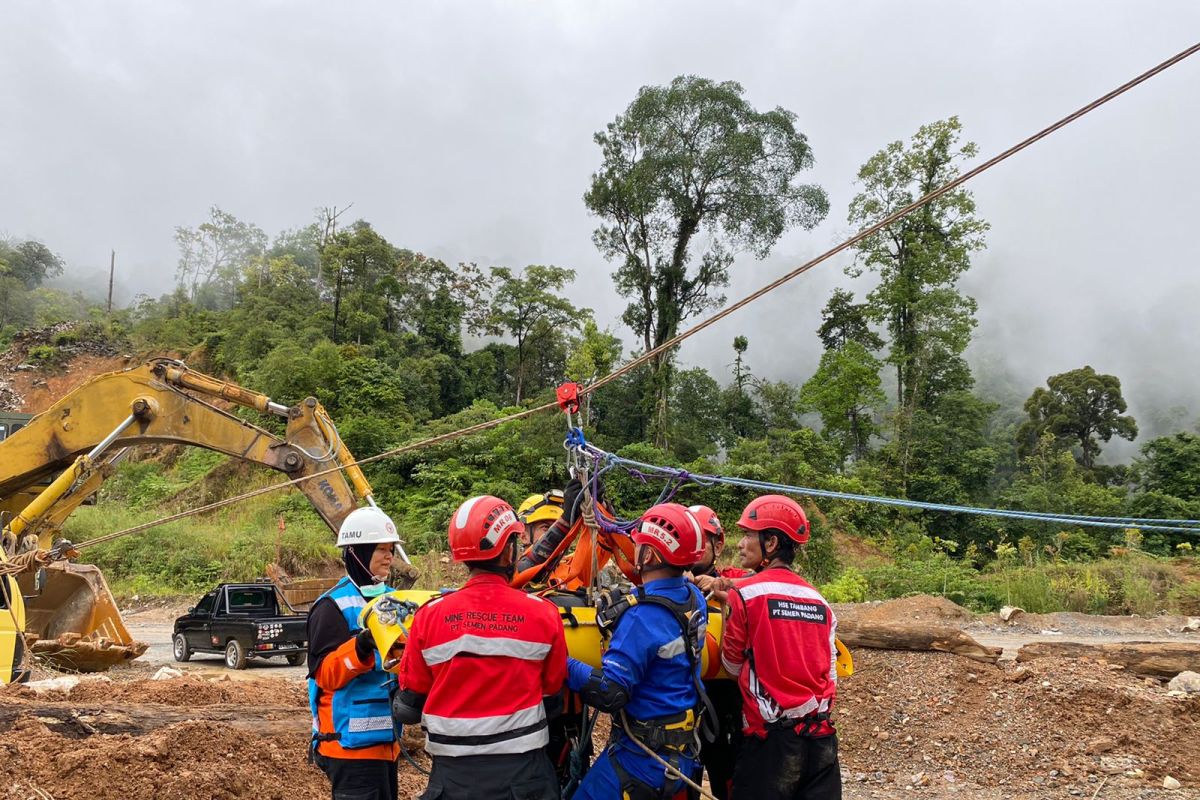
x: 1019, y: 674
x: 1193, y: 624
x: 166, y: 674
x: 1185, y: 682
x: 1103, y: 744
x: 1171, y: 783
x: 63, y: 684
x: 1008, y: 612
x: 920, y: 779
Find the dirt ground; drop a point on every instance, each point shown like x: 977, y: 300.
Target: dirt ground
x: 910, y: 725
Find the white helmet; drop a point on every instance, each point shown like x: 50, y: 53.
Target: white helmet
x: 367, y: 525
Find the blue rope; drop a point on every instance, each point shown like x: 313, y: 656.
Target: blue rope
x: 672, y: 474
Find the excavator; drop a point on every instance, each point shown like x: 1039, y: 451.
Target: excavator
x: 64, y: 611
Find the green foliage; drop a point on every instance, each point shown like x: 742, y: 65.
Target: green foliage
x: 697, y: 414
x: 1079, y: 407
x: 214, y: 255
x: 45, y: 355
x: 529, y: 308
x: 1126, y: 585
x: 846, y: 392
x: 919, y: 261
x: 691, y: 174
x: 1170, y: 465
x: 849, y: 587
x: 936, y: 574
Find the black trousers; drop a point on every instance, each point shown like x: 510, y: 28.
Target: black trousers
x: 787, y: 766
x: 720, y: 755
x: 521, y: 776
x: 360, y: 778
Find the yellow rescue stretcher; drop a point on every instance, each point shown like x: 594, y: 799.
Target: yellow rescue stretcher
x: 388, y: 618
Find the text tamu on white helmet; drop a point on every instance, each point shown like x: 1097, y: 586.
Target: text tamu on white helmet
x: 367, y: 525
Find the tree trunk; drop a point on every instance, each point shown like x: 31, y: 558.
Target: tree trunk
x: 904, y: 636
x: 1152, y: 659
x: 76, y: 722
x: 520, y: 367
x: 337, y: 304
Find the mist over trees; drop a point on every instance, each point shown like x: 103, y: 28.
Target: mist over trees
x: 692, y: 182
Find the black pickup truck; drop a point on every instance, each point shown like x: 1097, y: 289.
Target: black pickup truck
x: 240, y: 621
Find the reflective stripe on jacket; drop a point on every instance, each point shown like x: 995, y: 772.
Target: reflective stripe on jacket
x: 357, y: 714
x: 484, y: 657
x: 778, y: 642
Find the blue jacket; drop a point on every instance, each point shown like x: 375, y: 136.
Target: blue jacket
x: 647, y: 657
x: 362, y: 714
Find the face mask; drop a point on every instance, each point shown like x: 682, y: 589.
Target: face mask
x: 374, y: 590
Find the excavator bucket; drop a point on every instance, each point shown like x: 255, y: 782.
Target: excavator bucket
x: 71, y: 619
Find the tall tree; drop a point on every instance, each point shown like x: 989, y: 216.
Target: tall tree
x: 845, y: 390
x: 1171, y: 465
x: 29, y: 262
x: 358, y: 262
x: 742, y: 415
x: 529, y: 307
x: 1078, y: 407
x: 23, y: 267
x: 919, y: 261
x: 214, y: 255
x: 693, y: 174
x: 844, y: 321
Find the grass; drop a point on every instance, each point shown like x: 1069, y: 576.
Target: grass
x: 236, y: 544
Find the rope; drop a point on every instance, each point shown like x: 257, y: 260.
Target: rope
x: 24, y: 562
x: 671, y: 473
x: 433, y: 440
x: 703, y: 324
x: 668, y: 769
x: 893, y: 217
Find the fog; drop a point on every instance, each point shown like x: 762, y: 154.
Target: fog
x: 463, y: 129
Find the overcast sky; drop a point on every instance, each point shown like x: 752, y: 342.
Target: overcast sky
x: 463, y: 129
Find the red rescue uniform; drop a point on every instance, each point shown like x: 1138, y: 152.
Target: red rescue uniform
x: 778, y: 641
x: 485, y: 656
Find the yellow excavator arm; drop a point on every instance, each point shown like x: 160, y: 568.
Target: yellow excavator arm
x: 61, y: 457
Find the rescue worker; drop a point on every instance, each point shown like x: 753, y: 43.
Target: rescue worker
x: 712, y: 579
x: 650, y: 675
x: 539, y: 512
x: 481, y: 667
x: 778, y: 641
x: 542, y: 547
x: 354, y: 741
x: 719, y: 755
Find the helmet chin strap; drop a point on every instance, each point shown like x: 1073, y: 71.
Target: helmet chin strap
x: 375, y: 579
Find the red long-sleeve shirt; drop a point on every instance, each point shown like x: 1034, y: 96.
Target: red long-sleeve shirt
x: 778, y: 641
x: 485, y: 656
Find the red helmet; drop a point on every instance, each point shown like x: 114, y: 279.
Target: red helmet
x: 709, y: 524
x: 776, y: 512
x: 673, y: 533
x: 481, y: 527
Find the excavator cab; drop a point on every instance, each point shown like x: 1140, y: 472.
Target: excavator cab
x: 54, y: 462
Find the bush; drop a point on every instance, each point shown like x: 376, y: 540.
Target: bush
x: 936, y: 575
x: 1185, y: 598
x: 849, y: 587
x: 44, y: 355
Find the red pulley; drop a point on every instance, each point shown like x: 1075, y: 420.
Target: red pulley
x: 568, y: 397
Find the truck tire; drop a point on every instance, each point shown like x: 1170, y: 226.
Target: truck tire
x: 180, y: 649
x: 297, y: 659
x: 235, y: 655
